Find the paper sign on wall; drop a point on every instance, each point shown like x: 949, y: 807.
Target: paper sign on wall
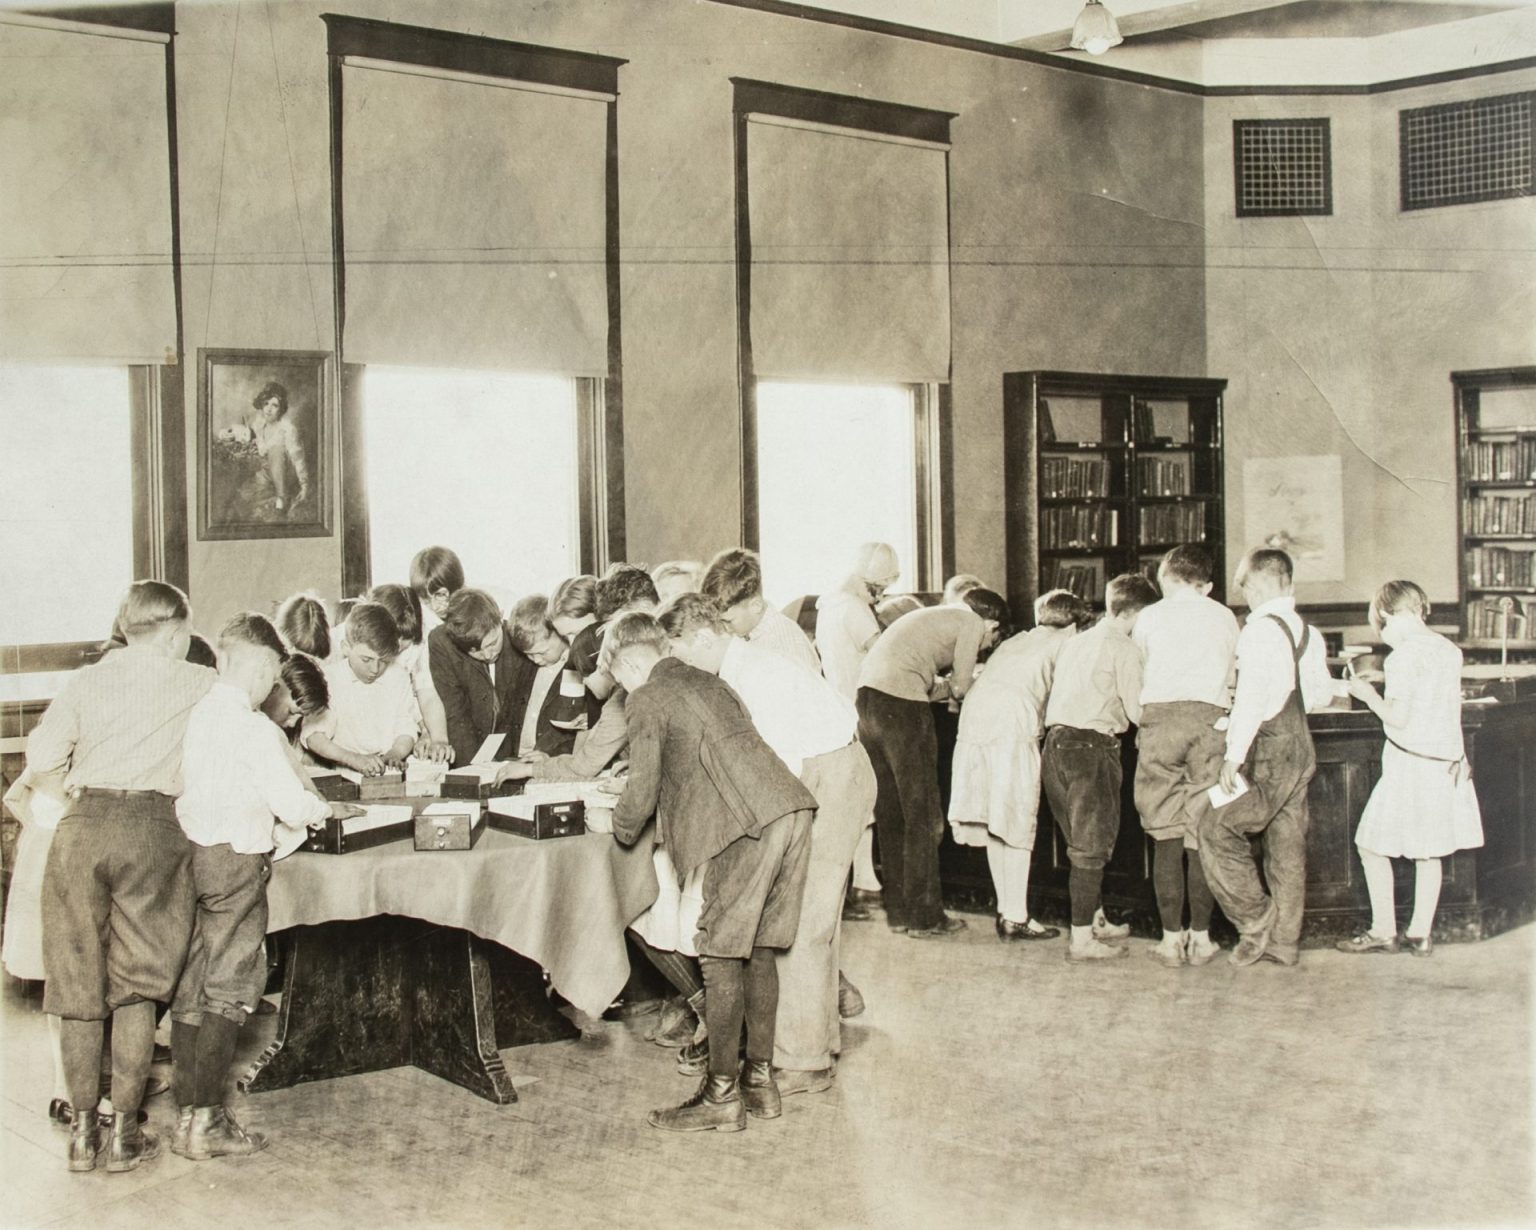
x: 1297, y: 504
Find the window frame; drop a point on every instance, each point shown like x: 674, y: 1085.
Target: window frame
x: 1406, y: 117
x: 1321, y: 125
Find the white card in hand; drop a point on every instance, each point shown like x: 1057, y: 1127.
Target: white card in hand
x: 487, y: 750
x: 1220, y: 798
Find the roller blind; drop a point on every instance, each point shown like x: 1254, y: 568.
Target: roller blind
x: 850, y: 255
x: 475, y: 223
x: 86, y: 270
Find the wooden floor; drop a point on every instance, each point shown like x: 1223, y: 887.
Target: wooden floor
x: 985, y: 1086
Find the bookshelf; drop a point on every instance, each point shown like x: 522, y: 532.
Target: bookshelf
x: 1496, y: 511
x: 1104, y: 473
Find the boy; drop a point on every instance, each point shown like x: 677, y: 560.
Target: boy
x: 723, y: 801
x: 1095, y: 697
x: 372, y: 721
x: 734, y: 579
x: 803, y: 719
x: 1188, y: 641
x: 117, y: 893
x: 238, y: 779
x: 1282, y: 674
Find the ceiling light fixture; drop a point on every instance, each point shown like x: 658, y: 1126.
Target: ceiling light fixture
x: 1095, y: 30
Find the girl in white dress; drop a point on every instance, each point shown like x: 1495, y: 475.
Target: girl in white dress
x: 1424, y: 806
x: 994, y: 796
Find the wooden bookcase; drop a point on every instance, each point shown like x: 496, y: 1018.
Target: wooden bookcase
x: 1104, y: 474
x: 1496, y: 511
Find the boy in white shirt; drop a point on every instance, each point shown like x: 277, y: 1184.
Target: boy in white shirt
x: 1282, y: 674
x: 239, y: 778
x: 372, y: 722
x: 734, y: 579
x: 1189, y: 641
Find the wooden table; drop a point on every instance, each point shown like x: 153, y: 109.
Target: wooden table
x: 396, y: 957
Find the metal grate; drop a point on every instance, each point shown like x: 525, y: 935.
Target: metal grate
x: 1283, y: 168
x: 1457, y: 153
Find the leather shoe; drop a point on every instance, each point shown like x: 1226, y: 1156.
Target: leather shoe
x: 694, y: 1057
x: 792, y: 1081
x: 84, y: 1144
x: 1008, y: 930
x: 63, y: 1115
x: 715, y: 1106
x: 869, y: 898
x: 856, y: 913
x: 214, y: 1133
x: 947, y: 925
x: 1419, y: 946
x: 182, y: 1132
x: 129, y: 1145
x: 759, y: 1093
x: 1368, y: 942
x: 850, y: 1003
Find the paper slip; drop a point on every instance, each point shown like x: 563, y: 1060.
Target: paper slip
x: 487, y: 750
x: 484, y: 770
x: 376, y: 816
x: 424, y: 770
x: 456, y: 807
x: 1220, y: 798
x: 320, y: 770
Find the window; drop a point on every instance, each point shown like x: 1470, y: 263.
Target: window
x: 67, y: 535
x: 483, y: 462
x: 1283, y: 168
x: 839, y: 465
x: 1463, y: 152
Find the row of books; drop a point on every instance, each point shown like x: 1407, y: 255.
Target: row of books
x: 1486, y: 621
x: 1162, y: 476
x: 1501, y: 566
x: 1498, y: 461
x: 1500, y: 514
x: 1091, y: 526
x: 1084, y: 580
x: 1073, y: 477
x: 1144, y: 423
x: 1171, y: 523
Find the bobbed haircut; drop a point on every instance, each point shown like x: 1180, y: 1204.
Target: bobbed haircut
x: 632, y: 630
x: 305, y: 626
x: 734, y: 576
x: 989, y: 605
x: 1396, y: 596
x: 574, y: 598
x: 435, y: 568
x: 687, y: 613
x: 149, y: 604
x: 624, y: 585
x: 403, y: 604
x: 529, y: 619
x: 470, y: 616
x: 305, y: 680
x: 1130, y: 591
x: 1061, y: 608
x: 1269, y: 560
x: 253, y: 631
x: 370, y: 624
x: 1191, y: 564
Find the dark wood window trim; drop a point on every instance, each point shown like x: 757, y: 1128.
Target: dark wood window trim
x: 600, y: 422
x: 154, y: 18
x: 841, y: 110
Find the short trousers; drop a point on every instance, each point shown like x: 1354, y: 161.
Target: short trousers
x: 226, y: 968
x: 753, y: 889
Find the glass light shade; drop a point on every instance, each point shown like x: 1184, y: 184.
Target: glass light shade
x: 1095, y: 30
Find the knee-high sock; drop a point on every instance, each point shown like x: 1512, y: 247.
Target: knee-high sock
x: 1378, y: 883
x: 216, y: 1039
x: 725, y: 992
x: 56, y: 1048
x: 184, y: 1043
x: 133, y: 1049
x: 1201, y: 902
x: 1085, y: 884
x: 762, y: 1003
x: 80, y: 1051
x: 1168, y: 882
x: 681, y: 970
x: 1010, y: 879
x: 864, y: 862
x: 1426, y: 896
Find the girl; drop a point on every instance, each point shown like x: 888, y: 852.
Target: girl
x: 302, y: 621
x: 1424, y: 806
x: 996, y: 786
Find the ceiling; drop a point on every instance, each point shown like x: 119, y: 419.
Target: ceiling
x: 1246, y: 42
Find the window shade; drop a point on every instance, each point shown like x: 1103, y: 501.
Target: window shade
x: 850, y: 255
x: 475, y: 224
x: 86, y: 268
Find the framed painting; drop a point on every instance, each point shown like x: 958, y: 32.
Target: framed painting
x: 265, y: 421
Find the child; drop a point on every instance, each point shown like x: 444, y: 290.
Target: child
x: 304, y: 626
x: 1095, y: 697
x: 1423, y: 806
x: 956, y: 588
x: 723, y: 801
x: 436, y: 575
x: 677, y: 576
x: 238, y: 779
x: 995, y: 796
x: 734, y: 579
x: 371, y: 722
x: 1188, y: 642
x: 117, y: 892
x: 896, y: 683
x: 405, y: 608
x: 1282, y: 673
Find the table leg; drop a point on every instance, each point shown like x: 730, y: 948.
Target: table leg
x: 453, y: 1020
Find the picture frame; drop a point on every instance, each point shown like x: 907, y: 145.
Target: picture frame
x: 265, y: 424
